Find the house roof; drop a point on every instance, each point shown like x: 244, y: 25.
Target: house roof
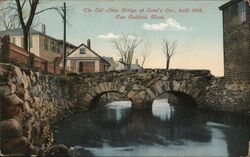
x: 135, y: 66
x: 108, y: 59
x: 67, y: 43
x: 90, y: 50
x: 231, y: 2
x: 19, y: 31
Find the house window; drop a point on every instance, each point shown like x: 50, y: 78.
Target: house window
x: 82, y: 51
x: 45, y: 43
x: 14, y: 40
x: 242, y: 11
x: 57, y: 48
x: 22, y: 42
x: 30, y: 42
x: 53, y: 46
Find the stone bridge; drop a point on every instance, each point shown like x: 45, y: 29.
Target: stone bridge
x: 143, y: 87
x: 31, y: 102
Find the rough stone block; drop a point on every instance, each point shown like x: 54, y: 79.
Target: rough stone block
x: 10, y: 128
x: 131, y: 94
x: 183, y: 85
x: 18, y: 73
x: 149, y: 91
x: 98, y: 90
x: 115, y: 87
x: 27, y: 107
x: 106, y: 87
x: 92, y: 93
x: 166, y: 86
x: 110, y: 86
x: 4, y: 68
x: 135, y: 87
x: 5, y: 90
x: 101, y: 86
x: 13, y: 99
x: 165, y: 78
x: 195, y: 93
x: 122, y: 89
x: 25, y: 81
x: 32, y: 77
x: 26, y: 94
x: 176, y: 85
x: 13, y: 143
x: 186, y: 76
x: 88, y: 96
x: 13, y: 87
x: 142, y: 95
x: 158, y: 88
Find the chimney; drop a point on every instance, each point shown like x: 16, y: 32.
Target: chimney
x: 89, y: 43
x: 43, y: 29
x: 136, y: 62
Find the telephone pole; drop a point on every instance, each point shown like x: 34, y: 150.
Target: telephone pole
x: 64, y: 38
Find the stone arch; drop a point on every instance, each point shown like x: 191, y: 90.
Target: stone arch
x: 143, y: 91
x: 181, y: 89
x: 94, y: 93
x: 137, y: 97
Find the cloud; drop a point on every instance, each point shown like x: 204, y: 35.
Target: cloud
x: 174, y: 24
x: 113, y: 36
x: 170, y: 23
x: 108, y: 36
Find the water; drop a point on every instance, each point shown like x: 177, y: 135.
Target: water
x: 116, y: 130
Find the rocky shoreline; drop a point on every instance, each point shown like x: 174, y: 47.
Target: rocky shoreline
x: 31, y: 103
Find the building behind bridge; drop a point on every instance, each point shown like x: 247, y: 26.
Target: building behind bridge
x: 236, y: 32
x: 84, y: 59
x: 40, y: 43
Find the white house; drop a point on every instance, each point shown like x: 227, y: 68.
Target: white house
x: 85, y: 60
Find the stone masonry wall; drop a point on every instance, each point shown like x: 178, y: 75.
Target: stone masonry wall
x: 221, y: 96
x: 30, y: 104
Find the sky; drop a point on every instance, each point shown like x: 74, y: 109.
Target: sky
x: 196, y: 25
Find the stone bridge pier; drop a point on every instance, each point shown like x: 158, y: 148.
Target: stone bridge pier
x: 143, y: 87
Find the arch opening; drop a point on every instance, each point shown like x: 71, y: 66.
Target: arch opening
x: 113, y: 108
x: 163, y: 105
x: 178, y: 98
x: 104, y: 98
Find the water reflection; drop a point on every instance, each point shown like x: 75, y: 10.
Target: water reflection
x: 117, y: 110
x: 115, y: 114
x: 162, y: 109
x: 116, y: 130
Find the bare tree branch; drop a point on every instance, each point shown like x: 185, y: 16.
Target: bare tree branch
x: 126, y: 46
x: 59, y: 10
x: 145, y: 51
x: 8, y: 16
x: 169, y: 49
x: 30, y: 2
x: 23, y: 4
